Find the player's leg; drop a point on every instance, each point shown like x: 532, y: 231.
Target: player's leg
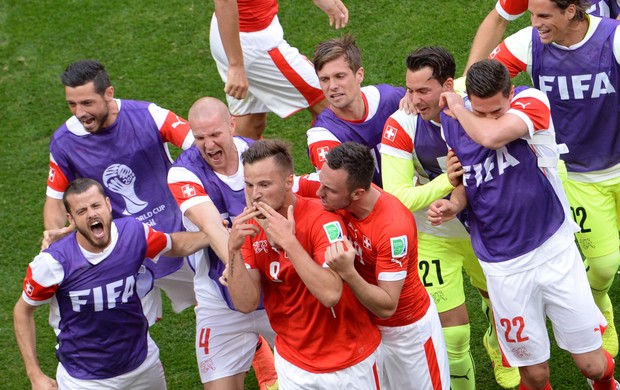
x: 440, y: 269
x: 251, y: 125
x: 595, y: 209
x: 519, y: 313
x: 577, y: 322
x: 415, y: 353
x: 225, y: 345
x: 506, y: 377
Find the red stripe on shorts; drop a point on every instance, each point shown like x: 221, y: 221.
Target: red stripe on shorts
x: 311, y: 94
x: 376, y: 375
x: 433, y: 366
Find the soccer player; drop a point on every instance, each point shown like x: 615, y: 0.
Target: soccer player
x: 378, y: 261
x: 412, y: 150
x: 355, y: 114
x: 325, y: 338
x: 521, y: 227
x: 262, y: 72
x: 208, y: 183
x: 121, y: 144
x: 494, y: 26
x: 103, y: 340
x: 574, y: 59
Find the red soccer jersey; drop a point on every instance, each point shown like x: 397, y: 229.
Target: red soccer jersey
x: 511, y: 9
x: 309, y: 335
x: 256, y: 15
x: 386, y: 245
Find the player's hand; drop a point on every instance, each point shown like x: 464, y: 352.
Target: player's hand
x: 449, y: 101
x: 440, y: 211
x: 280, y: 231
x: 406, y: 105
x: 336, y: 11
x: 242, y: 229
x: 224, y: 278
x: 52, y: 235
x: 237, y: 82
x: 340, y: 257
x: 454, y: 169
x: 43, y: 382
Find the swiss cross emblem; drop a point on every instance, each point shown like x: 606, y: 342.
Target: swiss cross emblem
x: 188, y: 190
x: 366, y: 242
x: 322, y: 152
x: 29, y: 289
x: 494, y: 52
x: 390, y: 133
x: 52, y: 175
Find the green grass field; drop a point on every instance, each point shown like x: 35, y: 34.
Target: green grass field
x: 158, y: 51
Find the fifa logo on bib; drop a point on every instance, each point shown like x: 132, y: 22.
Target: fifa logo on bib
x: 120, y: 179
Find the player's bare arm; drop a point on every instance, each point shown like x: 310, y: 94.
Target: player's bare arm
x: 381, y: 299
x: 227, y: 14
x: 325, y: 284
x: 488, y: 36
x: 444, y: 210
x: 336, y: 11
x: 25, y: 333
x: 207, y: 218
x: 54, y: 221
x: 187, y: 243
x: 243, y: 284
x: 491, y: 130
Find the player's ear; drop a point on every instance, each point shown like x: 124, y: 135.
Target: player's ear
x: 108, y: 94
x: 290, y: 181
x: 448, y: 85
x: 359, y: 75
x: 108, y: 203
x: 357, y: 194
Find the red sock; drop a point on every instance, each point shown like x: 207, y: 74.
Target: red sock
x: 263, y: 364
x: 523, y: 387
x: 607, y: 381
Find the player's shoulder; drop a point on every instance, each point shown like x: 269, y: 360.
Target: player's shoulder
x: 531, y: 94
x: 187, y: 158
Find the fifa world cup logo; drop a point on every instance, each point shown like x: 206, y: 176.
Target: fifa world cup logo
x: 120, y: 178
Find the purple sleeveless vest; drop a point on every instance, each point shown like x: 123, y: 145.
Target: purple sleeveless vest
x: 582, y: 86
x: 102, y: 327
x: 129, y: 159
x: 504, y: 188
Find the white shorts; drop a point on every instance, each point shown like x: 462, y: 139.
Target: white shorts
x: 178, y: 286
x: 281, y: 80
x: 415, y: 353
x: 362, y: 376
x: 226, y: 340
x: 557, y: 289
x: 148, y: 376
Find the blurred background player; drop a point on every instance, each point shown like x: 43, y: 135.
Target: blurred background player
x: 584, y: 105
x: 103, y: 340
x: 325, y: 337
x: 532, y: 265
x: 378, y: 261
x: 262, y: 72
x: 413, y: 153
x: 354, y: 114
x: 121, y: 144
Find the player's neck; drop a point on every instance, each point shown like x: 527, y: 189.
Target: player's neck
x: 113, y: 111
x: 363, y: 206
x: 356, y: 111
x: 575, y: 33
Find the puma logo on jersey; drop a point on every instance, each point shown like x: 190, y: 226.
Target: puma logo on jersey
x: 523, y: 105
x: 178, y: 122
x: 578, y: 87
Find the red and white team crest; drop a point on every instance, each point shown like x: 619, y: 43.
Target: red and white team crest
x: 188, y: 190
x: 29, y: 289
x: 366, y: 242
x: 52, y: 175
x: 260, y: 246
x: 390, y: 133
x: 322, y: 152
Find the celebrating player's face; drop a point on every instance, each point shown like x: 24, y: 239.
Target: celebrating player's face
x: 552, y: 24
x: 90, y: 108
x: 492, y: 107
x: 334, y: 193
x: 91, y: 214
x: 340, y: 85
x: 266, y: 182
x: 214, y: 139
x: 423, y: 92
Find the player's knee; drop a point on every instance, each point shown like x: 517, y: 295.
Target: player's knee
x: 457, y: 340
x: 535, y: 377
